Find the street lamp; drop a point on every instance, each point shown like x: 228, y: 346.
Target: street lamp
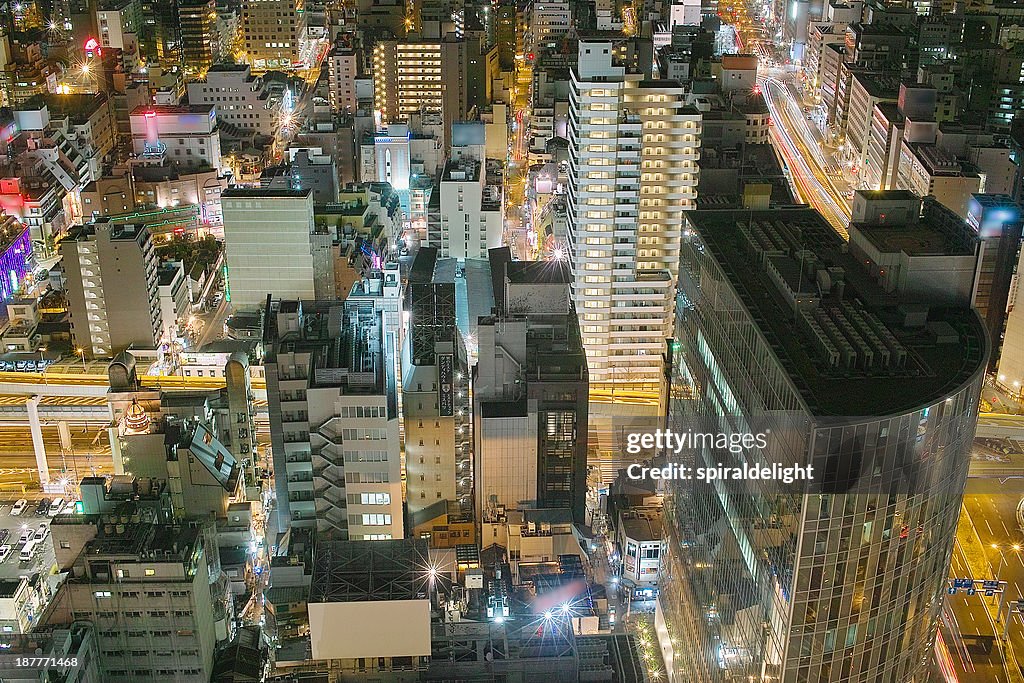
x: 80, y: 351
x: 1016, y: 547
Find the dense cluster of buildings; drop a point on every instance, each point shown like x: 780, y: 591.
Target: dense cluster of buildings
x: 917, y: 101
x: 467, y: 249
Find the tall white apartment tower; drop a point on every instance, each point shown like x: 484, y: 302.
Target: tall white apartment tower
x: 633, y: 151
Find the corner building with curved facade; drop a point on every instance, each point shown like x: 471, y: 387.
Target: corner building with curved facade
x: 860, y: 360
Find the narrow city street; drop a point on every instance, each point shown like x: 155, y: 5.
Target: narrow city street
x: 629, y: 620
x: 517, y: 224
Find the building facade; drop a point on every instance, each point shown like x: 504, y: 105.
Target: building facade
x: 530, y: 394
x: 181, y: 136
x: 471, y: 216
x: 146, y: 590
x: 197, y: 20
x: 272, y: 31
x: 435, y: 390
x: 342, y: 70
x: 273, y: 246
x: 112, y: 288
x: 422, y: 77
x: 334, y: 419
x: 239, y: 98
x: 633, y: 151
x: 839, y: 575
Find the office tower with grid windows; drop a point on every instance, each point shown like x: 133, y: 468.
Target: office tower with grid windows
x: 868, y: 371
x: 633, y: 151
x: 199, y: 40
x: 272, y: 31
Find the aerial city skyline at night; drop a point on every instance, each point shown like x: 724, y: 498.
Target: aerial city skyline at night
x: 383, y: 341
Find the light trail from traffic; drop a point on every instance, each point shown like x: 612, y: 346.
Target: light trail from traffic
x: 804, y: 160
x: 100, y: 380
x: 806, y: 163
x: 945, y: 660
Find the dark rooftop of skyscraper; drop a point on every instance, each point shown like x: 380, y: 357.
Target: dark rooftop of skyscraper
x: 849, y: 346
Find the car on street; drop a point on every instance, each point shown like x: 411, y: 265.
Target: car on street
x: 26, y: 534
x: 19, y: 507
x: 5, y: 552
x: 43, y: 507
x: 41, y: 532
x: 56, y: 506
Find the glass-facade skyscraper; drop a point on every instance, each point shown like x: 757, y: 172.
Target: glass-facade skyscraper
x: 871, y: 377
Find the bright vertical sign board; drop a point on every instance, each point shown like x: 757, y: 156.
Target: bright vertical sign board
x: 445, y: 390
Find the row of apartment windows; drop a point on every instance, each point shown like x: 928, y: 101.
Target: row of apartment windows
x: 370, y: 519
x: 369, y: 499
x: 363, y: 411
x: 149, y: 594
x: 146, y: 653
x: 138, y: 674
x: 364, y: 434
x: 160, y: 614
x: 366, y: 478
x: 366, y: 456
x: 163, y: 633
